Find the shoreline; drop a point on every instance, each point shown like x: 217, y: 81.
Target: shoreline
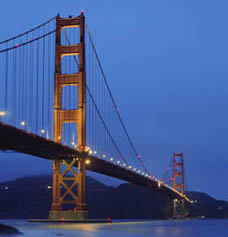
x: 6, y: 229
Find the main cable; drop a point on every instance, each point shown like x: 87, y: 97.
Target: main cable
x: 27, y: 32
x: 113, y: 101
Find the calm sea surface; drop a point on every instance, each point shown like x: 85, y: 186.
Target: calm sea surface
x: 188, y: 228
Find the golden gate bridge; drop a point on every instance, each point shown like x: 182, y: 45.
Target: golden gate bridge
x: 56, y: 104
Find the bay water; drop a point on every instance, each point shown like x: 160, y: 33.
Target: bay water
x: 125, y: 228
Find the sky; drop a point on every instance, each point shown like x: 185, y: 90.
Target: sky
x: 167, y: 64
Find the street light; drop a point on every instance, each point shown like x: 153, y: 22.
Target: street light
x: 2, y: 114
x: 87, y: 162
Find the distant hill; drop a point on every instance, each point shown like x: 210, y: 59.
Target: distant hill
x: 30, y: 197
x: 207, y: 206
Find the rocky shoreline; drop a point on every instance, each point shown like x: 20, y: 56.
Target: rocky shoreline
x: 9, y: 230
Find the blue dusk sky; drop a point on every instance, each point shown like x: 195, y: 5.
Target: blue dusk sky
x: 167, y: 64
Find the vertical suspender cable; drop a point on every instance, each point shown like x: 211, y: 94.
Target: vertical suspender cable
x: 37, y: 84
x: 49, y: 79
x: 23, y: 86
x: 13, y: 85
x: 20, y: 74
x: 6, y: 83
x: 43, y: 88
x: 26, y: 82
x: 31, y: 88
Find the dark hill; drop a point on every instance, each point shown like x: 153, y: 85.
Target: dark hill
x: 207, y: 206
x: 30, y: 197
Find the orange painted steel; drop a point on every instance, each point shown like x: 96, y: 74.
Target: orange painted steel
x: 178, y: 185
x: 77, y: 116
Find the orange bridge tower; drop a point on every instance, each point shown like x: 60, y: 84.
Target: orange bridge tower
x: 178, y: 184
x: 68, y: 185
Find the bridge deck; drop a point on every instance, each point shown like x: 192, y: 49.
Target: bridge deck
x: 12, y: 138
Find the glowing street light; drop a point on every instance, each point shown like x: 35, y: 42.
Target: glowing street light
x: 87, y: 148
x: 42, y: 131
x: 3, y: 113
x: 87, y: 162
x: 23, y: 123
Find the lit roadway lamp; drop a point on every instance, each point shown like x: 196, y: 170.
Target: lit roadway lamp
x: 87, y: 149
x: 87, y: 162
x: 2, y: 114
x: 22, y: 123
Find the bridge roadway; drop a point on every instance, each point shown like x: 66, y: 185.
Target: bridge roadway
x: 12, y: 138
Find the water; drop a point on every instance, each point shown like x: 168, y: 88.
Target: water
x: 188, y: 228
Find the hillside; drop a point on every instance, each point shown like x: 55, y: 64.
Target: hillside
x: 30, y: 197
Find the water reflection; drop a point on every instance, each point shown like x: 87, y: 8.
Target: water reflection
x: 193, y: 228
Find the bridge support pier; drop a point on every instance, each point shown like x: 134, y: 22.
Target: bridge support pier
x: 56, y: 205
x: 68, y: 215
x: 65, y: 188
x: 178, y: 209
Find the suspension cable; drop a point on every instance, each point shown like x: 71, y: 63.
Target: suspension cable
x: 28, y: 42
x: 27, y: 32
x: 113, y: 101
x: 98, y: 112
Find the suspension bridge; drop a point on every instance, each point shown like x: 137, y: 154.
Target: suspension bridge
x: 56, y: 104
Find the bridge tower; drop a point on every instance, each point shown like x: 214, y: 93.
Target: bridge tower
x: 69, y: 185
x: 178, y: 184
